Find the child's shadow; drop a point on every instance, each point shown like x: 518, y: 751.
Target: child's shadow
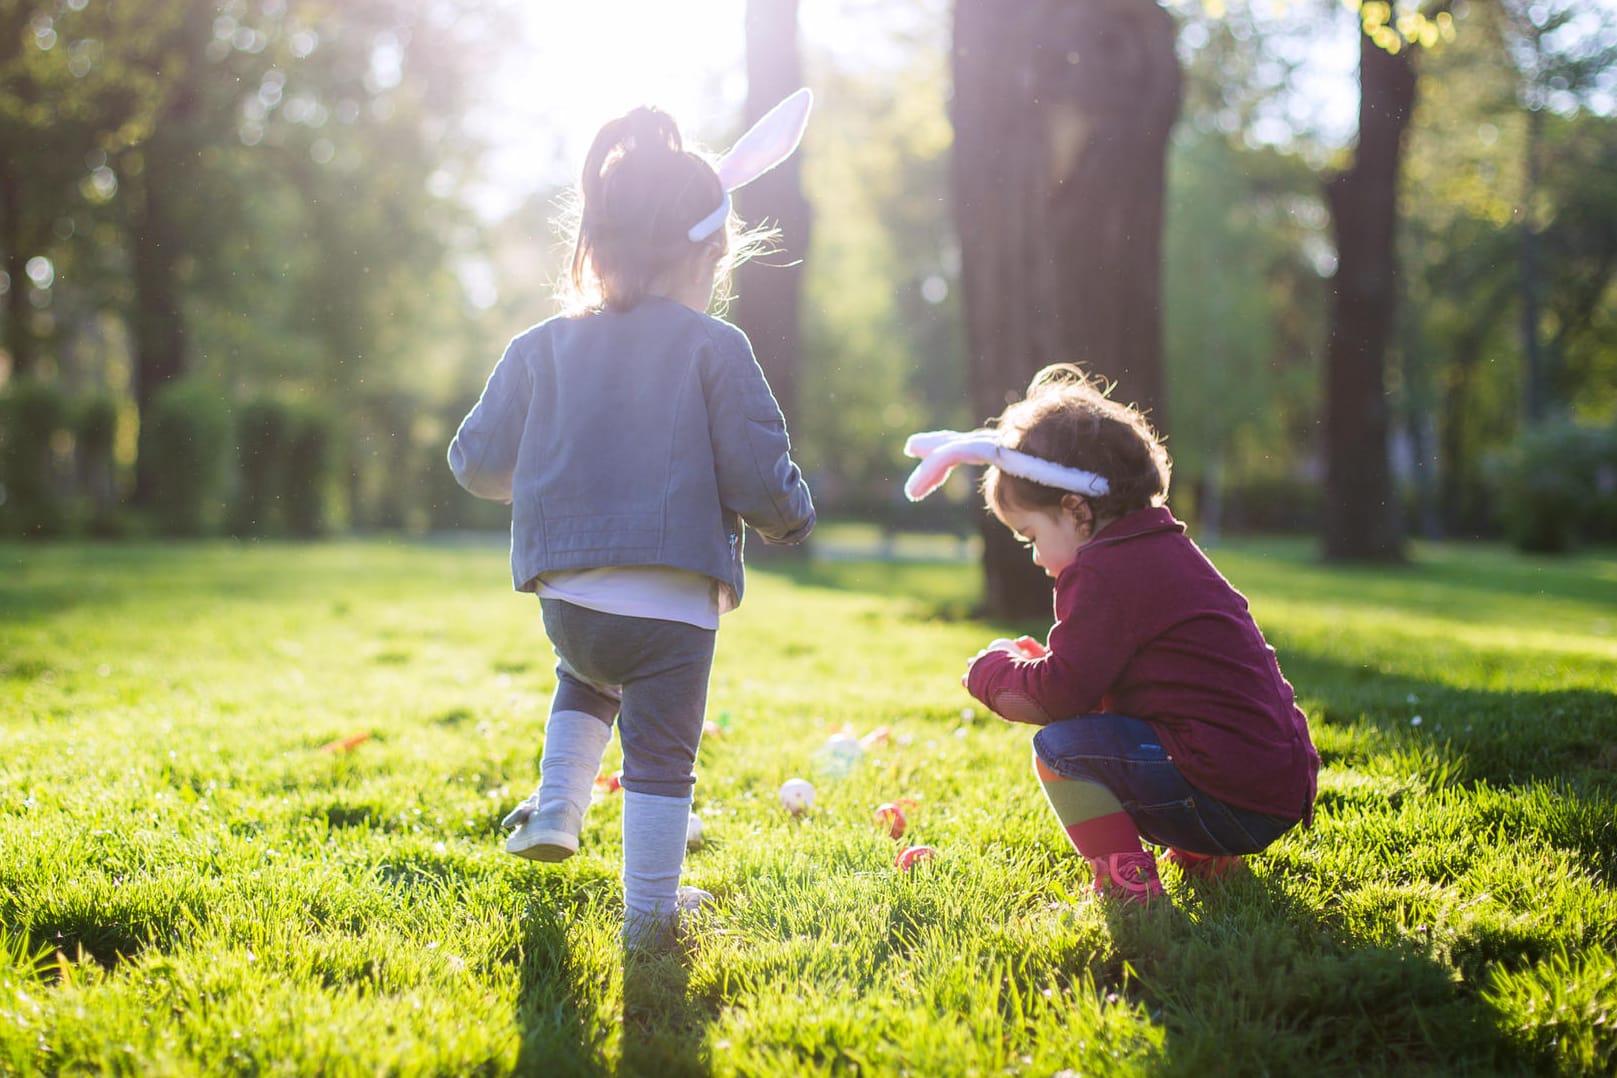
x: 661, y: 1031
x: 1244, y: 978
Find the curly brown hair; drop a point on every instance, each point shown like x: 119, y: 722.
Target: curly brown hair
x: 1068, y: 417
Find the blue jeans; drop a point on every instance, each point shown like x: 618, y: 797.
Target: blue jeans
x: 1125, y: 756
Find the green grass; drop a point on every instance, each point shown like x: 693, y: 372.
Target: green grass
x: 190, y: 883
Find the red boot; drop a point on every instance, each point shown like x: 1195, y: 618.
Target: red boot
x: 1127, y: 877
x: 1205, y: 866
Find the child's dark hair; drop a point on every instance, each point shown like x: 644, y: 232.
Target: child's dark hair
x: 1068, y: 417
x: 639, y: 194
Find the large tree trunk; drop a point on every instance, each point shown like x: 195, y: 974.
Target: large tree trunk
x: 1061, y: 114
x: 768, y: 297
x: 18, y: 339
x: 157, y: 322
x: 1362, y: 518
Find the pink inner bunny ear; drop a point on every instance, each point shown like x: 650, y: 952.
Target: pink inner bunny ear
x: 768, y: 142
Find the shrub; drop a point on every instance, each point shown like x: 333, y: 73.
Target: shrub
x: 186, y: 438
x: 32, y: 414
x: 263, y: 444
x: 95, y: 435
x: 1557, y: 485
x: 306, y: 482
x: 1271, y: 504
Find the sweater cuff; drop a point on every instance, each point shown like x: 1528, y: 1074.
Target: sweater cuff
x: 982, y: 673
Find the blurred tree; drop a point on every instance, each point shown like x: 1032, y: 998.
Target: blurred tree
x: 1362, y: 520
x: 882, y: 337
x: 1245, y: 251
x: 63, y: 104
x: 1061, y: 115
x: 769, y: 293
x: 1240, y: 321
x: 1461, y: 368
x: 1563, y: 51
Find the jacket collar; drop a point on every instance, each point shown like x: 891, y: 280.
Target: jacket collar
x: 1135, y: 525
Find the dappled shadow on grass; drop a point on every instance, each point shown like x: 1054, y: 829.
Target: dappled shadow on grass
x: 110, y: 924
x: 1481, y: 734
x: 1247, y: 979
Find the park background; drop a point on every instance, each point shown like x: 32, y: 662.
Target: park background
x: 265, y: 694
x: 259, y: 257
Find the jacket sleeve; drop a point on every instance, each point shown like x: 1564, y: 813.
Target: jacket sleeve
x: 1091, y: 644
x: 483, y: 453
x: 751, y: 452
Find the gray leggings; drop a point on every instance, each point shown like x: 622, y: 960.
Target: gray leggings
x: 650, y: 675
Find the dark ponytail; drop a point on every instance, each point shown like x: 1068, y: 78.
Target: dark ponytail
x: 640, y: 192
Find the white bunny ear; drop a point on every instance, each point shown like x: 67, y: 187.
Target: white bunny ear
x: 768, y: 142
x: 924, y: 443
x: 941, y: 452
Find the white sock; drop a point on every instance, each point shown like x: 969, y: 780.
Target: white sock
x: 574, y: 743
x: 653, y: 853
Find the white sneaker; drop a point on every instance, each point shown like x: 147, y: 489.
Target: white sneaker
x: 692, y: 899
x: 645, y: 932
x: 548, y: 834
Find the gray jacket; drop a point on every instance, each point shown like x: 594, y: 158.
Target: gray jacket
x: 641, y: 438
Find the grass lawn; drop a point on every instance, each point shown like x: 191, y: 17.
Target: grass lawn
x: 205, y: 867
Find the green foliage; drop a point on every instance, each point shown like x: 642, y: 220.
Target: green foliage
x: 883, y: 348
x: 32, y: 416
x: 286, y: 469
x: 307, y: 479
x: 95, y: 428
x: 1558, y: 486
x: 235, y: 893
x: 187, y: 437
x: 1238, y: 339
x: 95, y: 435
x: 263, y: 432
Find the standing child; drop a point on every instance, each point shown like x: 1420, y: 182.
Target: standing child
x: 632, y: 437
x: 1164, y: 714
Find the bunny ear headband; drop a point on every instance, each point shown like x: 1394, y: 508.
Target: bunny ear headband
x: 942, y: 450
x: 766, y: 144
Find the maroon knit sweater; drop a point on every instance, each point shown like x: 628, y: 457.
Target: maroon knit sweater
x: 1147, y: 627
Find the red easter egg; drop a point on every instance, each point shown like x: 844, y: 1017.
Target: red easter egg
x: 910, y: 856
x: 890, y: 818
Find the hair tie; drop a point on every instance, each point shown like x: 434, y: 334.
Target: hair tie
x: 941, y: 451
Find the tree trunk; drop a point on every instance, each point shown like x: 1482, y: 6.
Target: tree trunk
x: 157, y: 323
x: 1537, y: 395
x: 18, y: 339
x: 1061, y: 114
x: 769, y: 293
x: 1362, y: 519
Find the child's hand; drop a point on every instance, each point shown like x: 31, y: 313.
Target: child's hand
x: 1031, y: 648
x: 1004, y: 644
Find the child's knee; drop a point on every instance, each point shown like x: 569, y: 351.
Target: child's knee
x: 1044, y: 770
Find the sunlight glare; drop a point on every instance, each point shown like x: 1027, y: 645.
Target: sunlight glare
x: 578, y: 65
